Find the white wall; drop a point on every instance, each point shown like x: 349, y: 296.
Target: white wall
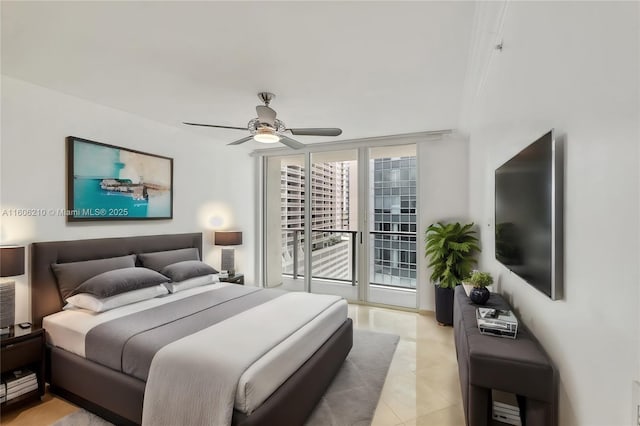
x: 210, y: 179
x: 573, y: 67
x: 443, y: 173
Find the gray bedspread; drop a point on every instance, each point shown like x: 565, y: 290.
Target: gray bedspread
x: 128, y: 344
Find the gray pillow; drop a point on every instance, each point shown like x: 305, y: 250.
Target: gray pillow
x: 181, y: 271
x: 71, y: 275
x: 119, y: 281
x: 159, y: 259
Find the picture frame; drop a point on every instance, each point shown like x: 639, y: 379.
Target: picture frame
x: 108, y: 182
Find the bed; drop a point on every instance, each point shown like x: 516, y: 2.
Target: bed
x: 118, y: 394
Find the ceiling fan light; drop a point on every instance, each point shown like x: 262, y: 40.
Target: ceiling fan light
x: 266, y: 136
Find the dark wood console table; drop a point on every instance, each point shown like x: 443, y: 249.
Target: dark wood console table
x: 519, y: 366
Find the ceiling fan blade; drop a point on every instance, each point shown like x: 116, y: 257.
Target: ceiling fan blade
x: 239, y: 141
x: 213, y: 125
x: 315, y: 131
x: 291, y: 143
x: 266, y: 115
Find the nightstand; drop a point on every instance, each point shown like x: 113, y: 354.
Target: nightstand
x: 19, y: 350
x: 235, y: 278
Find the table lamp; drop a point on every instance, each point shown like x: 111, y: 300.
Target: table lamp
x: 228, y: 238
x: 11, y: 265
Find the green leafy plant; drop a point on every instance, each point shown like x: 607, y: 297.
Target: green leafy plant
x: 450, y: 249
x: 480, y: 279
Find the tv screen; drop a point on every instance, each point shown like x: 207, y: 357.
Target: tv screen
x: 528, y: 215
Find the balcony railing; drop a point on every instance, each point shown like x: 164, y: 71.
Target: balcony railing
x: 405, y: 270
x: 398, y: 270
x: 297, y: 233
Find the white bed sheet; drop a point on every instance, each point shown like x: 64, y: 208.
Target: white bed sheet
x: 267, y: 374
x: 67, y: 330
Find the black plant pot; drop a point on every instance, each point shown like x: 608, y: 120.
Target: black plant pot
x: 444, y: 305
x: 479, y: 295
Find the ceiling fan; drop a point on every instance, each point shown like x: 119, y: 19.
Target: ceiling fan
x: 266, y: 128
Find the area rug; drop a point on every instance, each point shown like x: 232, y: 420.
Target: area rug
x: 350, y: 400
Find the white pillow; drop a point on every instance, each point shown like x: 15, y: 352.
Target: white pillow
x: 177, y: 286
x: 92, y: 303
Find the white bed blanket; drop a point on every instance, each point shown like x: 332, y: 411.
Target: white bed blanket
x: 194, y: 380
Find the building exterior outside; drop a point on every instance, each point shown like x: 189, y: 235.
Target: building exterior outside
x: 393, y: 197
x: 393, y: 219
x: 329, y: 211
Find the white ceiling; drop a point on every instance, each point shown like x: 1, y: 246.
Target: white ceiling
x: 371, y: 68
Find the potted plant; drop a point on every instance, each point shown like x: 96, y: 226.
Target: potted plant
x: 479, y: 293
x: 450, y: 249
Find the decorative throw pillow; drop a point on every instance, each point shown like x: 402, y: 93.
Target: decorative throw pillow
x: 181, y: 271
x: 177, y: 286
x: 71, y: 275
x: 159, y: 259
x: 119, y: 281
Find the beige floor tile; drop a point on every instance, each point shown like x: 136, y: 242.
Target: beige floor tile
x: 445, y: 378
x: 430, y: 354
x: 449, y: 416
x: 385, y: 416
x: 409, y: 397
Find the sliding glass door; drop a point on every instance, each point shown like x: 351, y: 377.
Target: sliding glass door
x: 334, y: 223
x: 392, y: 225
x: 361, y: 226
x: 284, y: 216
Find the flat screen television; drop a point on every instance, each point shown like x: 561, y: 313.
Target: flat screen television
x: 529, y: 215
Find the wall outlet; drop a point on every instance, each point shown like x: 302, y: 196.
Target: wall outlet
x: 636, y: 404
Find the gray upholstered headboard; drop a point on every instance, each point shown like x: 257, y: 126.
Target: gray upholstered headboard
x: 45, y: 296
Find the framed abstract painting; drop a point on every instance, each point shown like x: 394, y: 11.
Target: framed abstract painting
x: 107, y: 182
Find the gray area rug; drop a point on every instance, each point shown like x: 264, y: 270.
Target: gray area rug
x: 351, y: 399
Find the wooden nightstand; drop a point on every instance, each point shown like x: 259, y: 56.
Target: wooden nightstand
x: 235, y: 278
x: 19, y: 350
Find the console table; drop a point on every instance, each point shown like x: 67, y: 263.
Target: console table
x: 519, y: 366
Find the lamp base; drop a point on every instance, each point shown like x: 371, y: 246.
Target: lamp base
x: 227, y: 261
x: 7, y: 304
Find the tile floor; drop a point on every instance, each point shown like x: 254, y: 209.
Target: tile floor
x: 422, y: 386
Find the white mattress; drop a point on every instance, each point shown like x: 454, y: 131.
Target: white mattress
x: 67, y: 330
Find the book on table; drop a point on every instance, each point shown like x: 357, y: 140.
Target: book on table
x: 505, y: 408
x: 17, y: 377
x: 17, y: 383
x: 497, y: 322
x: 18, y: 392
